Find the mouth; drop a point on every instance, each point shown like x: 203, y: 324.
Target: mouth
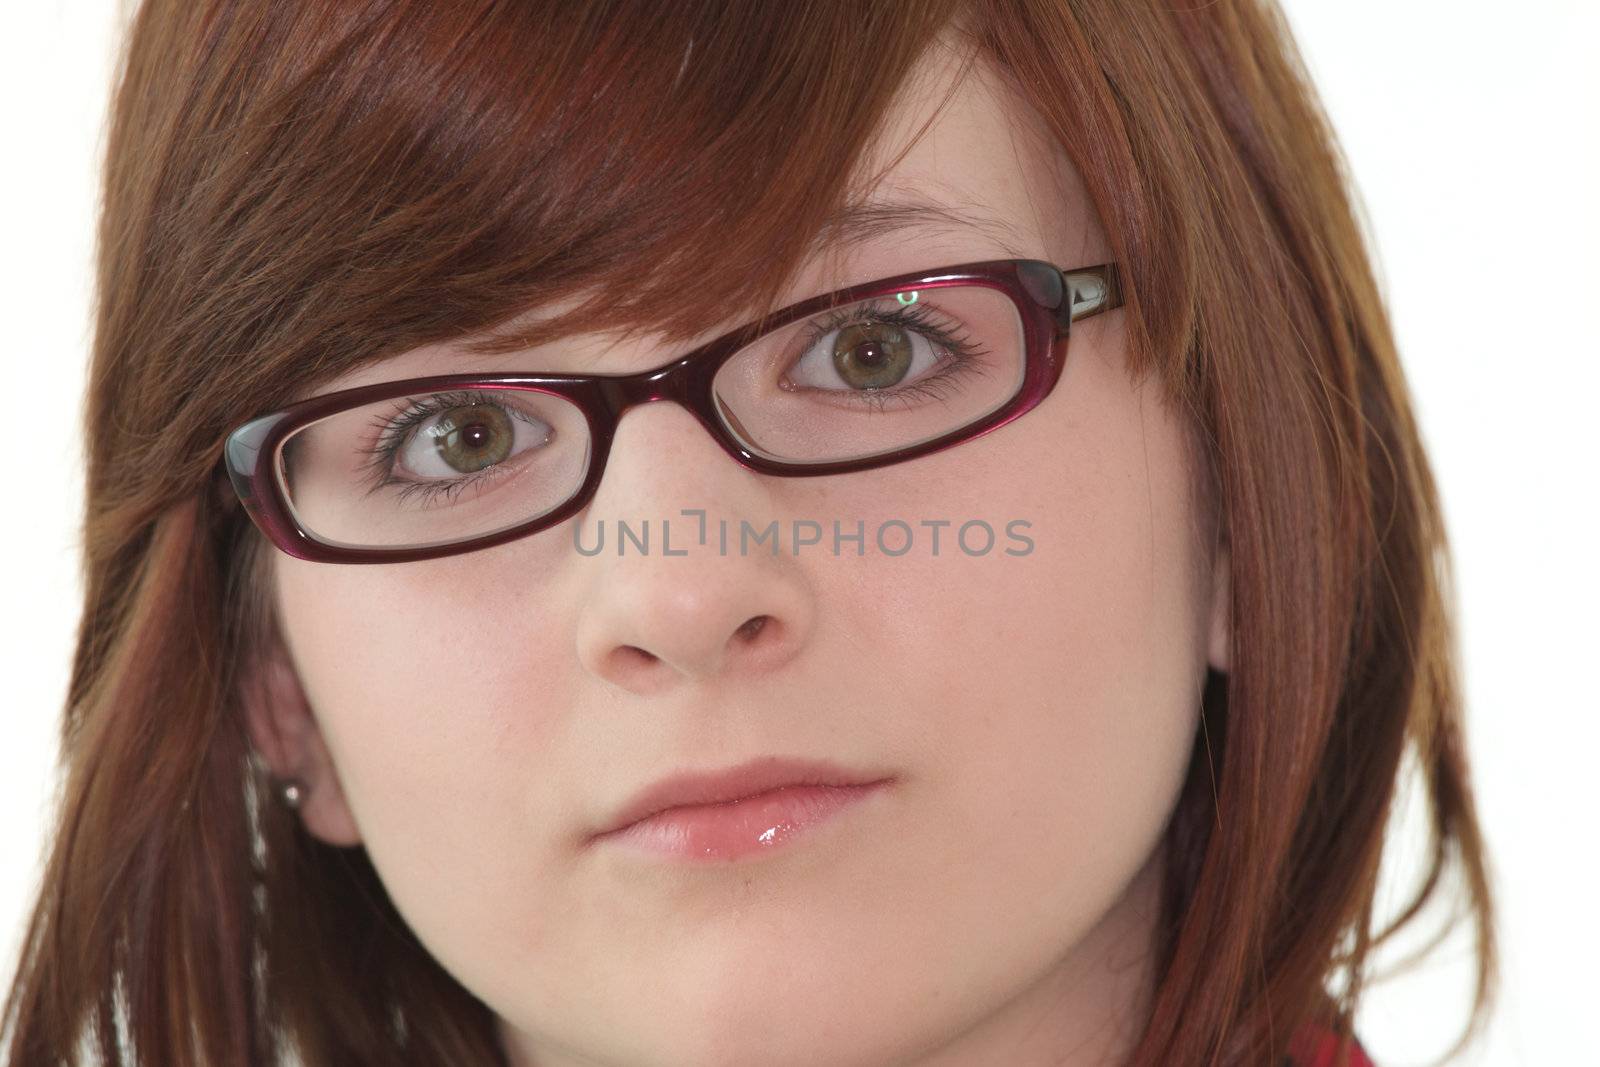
x: 725, y: 815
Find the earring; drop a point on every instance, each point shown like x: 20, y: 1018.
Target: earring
x: 292, y: 792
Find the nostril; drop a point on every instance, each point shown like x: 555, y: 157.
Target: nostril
x: 752, y: 627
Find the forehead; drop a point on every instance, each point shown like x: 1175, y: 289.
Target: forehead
x: 960, y: 139
x: 962, y: 169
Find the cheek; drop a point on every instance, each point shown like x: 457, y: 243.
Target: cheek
x: 412, y: 660
x: 435, y: 708
x: 1057, y: 691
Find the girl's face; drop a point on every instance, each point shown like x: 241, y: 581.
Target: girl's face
x: 472, y: 721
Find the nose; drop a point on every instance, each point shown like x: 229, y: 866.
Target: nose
x: 678, y: 611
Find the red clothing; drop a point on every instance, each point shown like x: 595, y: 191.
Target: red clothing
x: 1315, y: 1046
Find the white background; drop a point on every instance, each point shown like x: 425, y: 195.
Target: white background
x: 1471, y: 131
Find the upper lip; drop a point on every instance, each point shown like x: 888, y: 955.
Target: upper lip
x: 747, y: 779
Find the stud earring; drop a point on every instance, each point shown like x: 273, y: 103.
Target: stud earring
x: 292, y: 792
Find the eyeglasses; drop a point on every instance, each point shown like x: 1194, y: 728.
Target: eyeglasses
x: 859, y: 378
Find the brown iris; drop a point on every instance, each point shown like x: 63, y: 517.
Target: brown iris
x: 872, y: 355
x: 472, y: 438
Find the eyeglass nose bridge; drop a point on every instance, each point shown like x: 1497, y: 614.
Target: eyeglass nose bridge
x: 686, y: 381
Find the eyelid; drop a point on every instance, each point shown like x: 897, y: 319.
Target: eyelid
x: 400, y: 429
x: 913, y: 314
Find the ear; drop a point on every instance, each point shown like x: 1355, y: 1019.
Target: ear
x: 285, y: 734
x: 1220, y: 644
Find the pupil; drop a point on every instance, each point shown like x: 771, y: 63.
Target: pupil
x: 475, y: 438
x: 872, y: 355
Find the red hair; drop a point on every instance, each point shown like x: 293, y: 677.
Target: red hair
x: 295, y: 188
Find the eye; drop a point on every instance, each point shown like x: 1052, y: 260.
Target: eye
x: 864, y: 355
x: 466, y: 439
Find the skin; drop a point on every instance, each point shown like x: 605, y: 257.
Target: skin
x: 470, y: 720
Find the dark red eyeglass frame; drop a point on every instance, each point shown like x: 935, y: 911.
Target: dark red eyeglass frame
x: 1048, y: 299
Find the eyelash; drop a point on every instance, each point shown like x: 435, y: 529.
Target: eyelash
x: 393, y: 432
x: 961, y: 358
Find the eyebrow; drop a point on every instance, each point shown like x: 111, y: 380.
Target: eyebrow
x: 864, y: 221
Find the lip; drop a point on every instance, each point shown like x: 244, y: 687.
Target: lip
x: 722, y: 815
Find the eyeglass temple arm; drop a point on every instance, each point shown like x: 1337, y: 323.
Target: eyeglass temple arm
x: 1092, y: 290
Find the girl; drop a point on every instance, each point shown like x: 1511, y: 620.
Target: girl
x: 709, y: 534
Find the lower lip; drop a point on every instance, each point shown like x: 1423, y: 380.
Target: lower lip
x: 711, y: 833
